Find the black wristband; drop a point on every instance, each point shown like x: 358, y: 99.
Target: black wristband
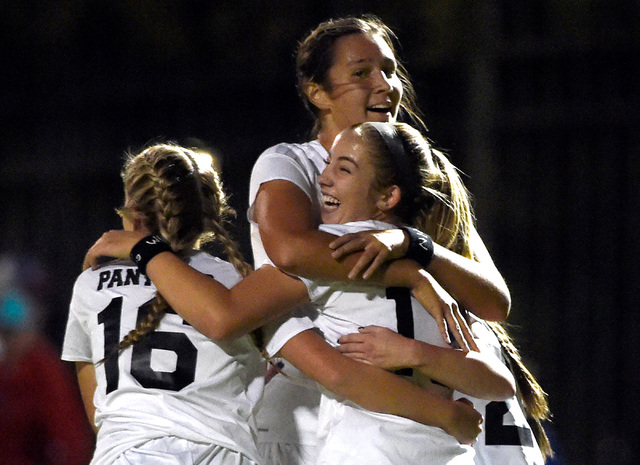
x: 147, y: 248
x: 420, y: 246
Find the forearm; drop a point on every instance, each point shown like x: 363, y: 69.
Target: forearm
x: 87, y: 383
x: 222, y: 313
x: 476, y: 286
x: 473, y: 373
x: 289, y: 233
x: 308, y: 254
x: 368, y: 386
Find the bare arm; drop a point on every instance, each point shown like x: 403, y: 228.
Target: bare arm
x: 217, y: 312
x: 220, y: 313
x: 87, y: 382
x: 379, y: 390
x: 477, y: 285
x: 476, y: 373
x: 290, y: 235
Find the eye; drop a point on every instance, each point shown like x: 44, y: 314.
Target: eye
x: 361, y: 73
x: 389, y: 71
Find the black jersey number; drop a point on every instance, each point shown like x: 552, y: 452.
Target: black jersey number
x: 404, y: 316
x: 141, y: 369
x: 499, y: 434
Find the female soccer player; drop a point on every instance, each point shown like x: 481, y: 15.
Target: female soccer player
x: 164, y: 393
x: 380, y: 176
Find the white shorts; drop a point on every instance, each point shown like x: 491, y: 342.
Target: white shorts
x: 176, y: 451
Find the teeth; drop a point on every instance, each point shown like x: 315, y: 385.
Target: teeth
x: 329, y: 200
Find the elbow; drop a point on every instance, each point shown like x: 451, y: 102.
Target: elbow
x: 498, y: 308
x: 504, y: 387
x: 501, y: 308
x: 285, y: 258
x: 220, y: 329
x: 505, y: 390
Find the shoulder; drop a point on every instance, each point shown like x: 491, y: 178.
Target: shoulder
x: 90, y: 278
x: 310, y: 149
x: 305, y: 155
x: 221, y: 270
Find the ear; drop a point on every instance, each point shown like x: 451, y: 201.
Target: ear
x: 389, y: 199
x: 317, y: 95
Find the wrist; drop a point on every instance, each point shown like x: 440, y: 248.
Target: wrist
x: 414, y: 354
x: 420, y: 246
x: 146, y: 249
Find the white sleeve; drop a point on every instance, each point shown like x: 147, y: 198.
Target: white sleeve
x: 279, y: 332
x: 77, y: 341
x: 273, y: 165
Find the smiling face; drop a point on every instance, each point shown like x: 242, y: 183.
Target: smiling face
x: 347, y: 183
x: 363, y: 84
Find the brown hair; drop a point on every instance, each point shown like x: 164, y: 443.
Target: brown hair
x: 441, y: 207
x: 315, y: 57
x: 434, y: 198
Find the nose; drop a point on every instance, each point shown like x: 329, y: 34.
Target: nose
x: 382, y: 82
x: 324, y: 178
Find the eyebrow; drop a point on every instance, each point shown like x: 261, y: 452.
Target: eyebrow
x: 346, y: 158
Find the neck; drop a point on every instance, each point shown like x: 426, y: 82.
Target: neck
x: 326, y: 138
x: 328, y: 131
x: 386, y: 217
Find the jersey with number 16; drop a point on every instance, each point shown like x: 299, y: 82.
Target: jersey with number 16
x: 175, y: 381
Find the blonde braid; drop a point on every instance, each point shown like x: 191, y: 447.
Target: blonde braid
x: 178, y: 194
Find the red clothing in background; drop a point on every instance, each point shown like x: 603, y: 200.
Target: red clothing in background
x: 42, y: 419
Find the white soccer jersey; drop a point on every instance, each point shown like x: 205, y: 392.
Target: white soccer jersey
x: 347, y: 433
x: 506, y: 437
x: 288, y: 412
x: 300, y: 164
x: 174, y: 382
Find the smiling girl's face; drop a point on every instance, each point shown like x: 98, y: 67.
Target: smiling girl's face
x: 347, y: 182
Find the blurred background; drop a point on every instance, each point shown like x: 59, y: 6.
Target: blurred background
x: 537, y: 102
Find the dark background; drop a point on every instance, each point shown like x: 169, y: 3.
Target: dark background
x: 536, y: 101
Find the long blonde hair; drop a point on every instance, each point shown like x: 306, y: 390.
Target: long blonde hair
x: 177, y: 193
x: 440, y: 206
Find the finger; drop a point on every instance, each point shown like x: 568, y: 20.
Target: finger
x: 354, y: 245
x: 454, y: 328
x: 468, y: 335
x: 375, y: 265
x: 350, y: 338
x: 357, y: 358
x: 444, y: 330
x: 362, y: 262
x: 341, y: 240
x: 86, y: 262
x: 353, y: 349
x: 458, y: 337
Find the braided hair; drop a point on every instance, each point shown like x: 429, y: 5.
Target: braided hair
x: 178, y: 194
